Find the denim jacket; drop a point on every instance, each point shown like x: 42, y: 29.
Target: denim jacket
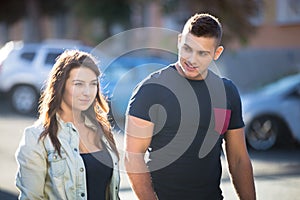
x: 43, y: 174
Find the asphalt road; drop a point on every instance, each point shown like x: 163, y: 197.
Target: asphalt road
x: 277, y: 171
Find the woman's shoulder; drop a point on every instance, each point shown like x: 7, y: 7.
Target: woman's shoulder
x: 30, y: 141
x: 34, y: 130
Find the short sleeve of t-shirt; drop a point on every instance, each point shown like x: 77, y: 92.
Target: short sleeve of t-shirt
x: 151, y: 95
x: 234, y: 101
x: 143, y: 97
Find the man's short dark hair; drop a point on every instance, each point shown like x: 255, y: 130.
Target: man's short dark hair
x: 204, y: 25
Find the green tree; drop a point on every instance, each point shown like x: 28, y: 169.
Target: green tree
x: 11, y: 11
x: 14, y: 10
x: 109, y: 11
x: 234, y: 15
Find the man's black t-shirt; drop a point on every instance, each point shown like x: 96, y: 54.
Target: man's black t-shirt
x: 191, y: 118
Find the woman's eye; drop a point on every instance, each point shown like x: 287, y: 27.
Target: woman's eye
x: 77, y: 83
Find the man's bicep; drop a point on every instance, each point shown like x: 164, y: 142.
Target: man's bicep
x: 235, y: 144
x: 138, y: 134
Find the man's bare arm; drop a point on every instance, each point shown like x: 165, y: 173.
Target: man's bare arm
x: 239, y: 164
x: 138, y: 134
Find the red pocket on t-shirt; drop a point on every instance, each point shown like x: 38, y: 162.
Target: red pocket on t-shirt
x: 222, y: 118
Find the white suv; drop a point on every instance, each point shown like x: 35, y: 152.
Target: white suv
x: 24, y: 68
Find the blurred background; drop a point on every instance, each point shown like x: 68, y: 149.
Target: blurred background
x: 262, y: 48
x: 259, y: 35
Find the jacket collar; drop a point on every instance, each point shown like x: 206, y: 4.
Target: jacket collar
x: 87, y: 122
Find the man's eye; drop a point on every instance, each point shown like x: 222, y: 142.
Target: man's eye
x: 203, y: 53
x: 186, y: 48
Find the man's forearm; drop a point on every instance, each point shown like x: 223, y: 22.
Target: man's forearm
x: 242, y: 177
x: 142, y: 186
x: 139, y: 177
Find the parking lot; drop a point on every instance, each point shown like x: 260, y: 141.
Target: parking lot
x: 276, y: 171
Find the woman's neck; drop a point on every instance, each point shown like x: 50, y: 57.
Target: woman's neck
x: 74, y: 117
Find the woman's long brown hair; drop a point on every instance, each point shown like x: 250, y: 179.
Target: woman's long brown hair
x: 51, y: 97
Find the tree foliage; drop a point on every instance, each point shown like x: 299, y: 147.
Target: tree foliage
x: 13, y: 10
x: 109, y: 11
x: 234, y: 15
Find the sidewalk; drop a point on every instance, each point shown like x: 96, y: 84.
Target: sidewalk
x: 277, y: 172
x: 271, y: 187
x: 277, y: 179
x: 267, y: 188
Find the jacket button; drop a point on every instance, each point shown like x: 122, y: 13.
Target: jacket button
x: 74, y: 129
x: 81, y: 169
x: 75, y: 149
x: 82, y: 194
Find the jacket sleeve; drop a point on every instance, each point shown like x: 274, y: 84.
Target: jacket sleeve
x: 32, y: 165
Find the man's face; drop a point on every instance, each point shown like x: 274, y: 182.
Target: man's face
x: 195, y: 55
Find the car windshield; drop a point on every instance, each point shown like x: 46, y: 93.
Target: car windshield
x: 281, y: 85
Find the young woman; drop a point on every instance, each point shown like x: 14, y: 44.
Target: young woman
x: 70, y: 152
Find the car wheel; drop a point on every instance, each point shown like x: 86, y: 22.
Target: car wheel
x: 24, y: 99
x: 262, y: 133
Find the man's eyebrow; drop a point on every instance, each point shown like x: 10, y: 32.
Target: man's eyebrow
x: 203, y: 51
x: 185, y: 44
x: 199, y: 51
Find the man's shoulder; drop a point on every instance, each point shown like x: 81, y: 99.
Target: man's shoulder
x: 161, y: 73
x: 231, y: 89
x: 157, y: 82
x: 228, y: 83
x: 160, y: 77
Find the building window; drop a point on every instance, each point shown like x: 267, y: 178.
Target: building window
x: 288, y: 11
x: 258, y: 18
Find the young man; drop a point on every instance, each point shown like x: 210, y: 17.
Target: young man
x: 181, y: 115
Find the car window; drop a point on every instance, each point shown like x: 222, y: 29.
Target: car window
x: 283, y: 84
x: 50, y: 58
x: 28, y: 56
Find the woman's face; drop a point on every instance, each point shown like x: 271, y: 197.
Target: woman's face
x: 80, y: 90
